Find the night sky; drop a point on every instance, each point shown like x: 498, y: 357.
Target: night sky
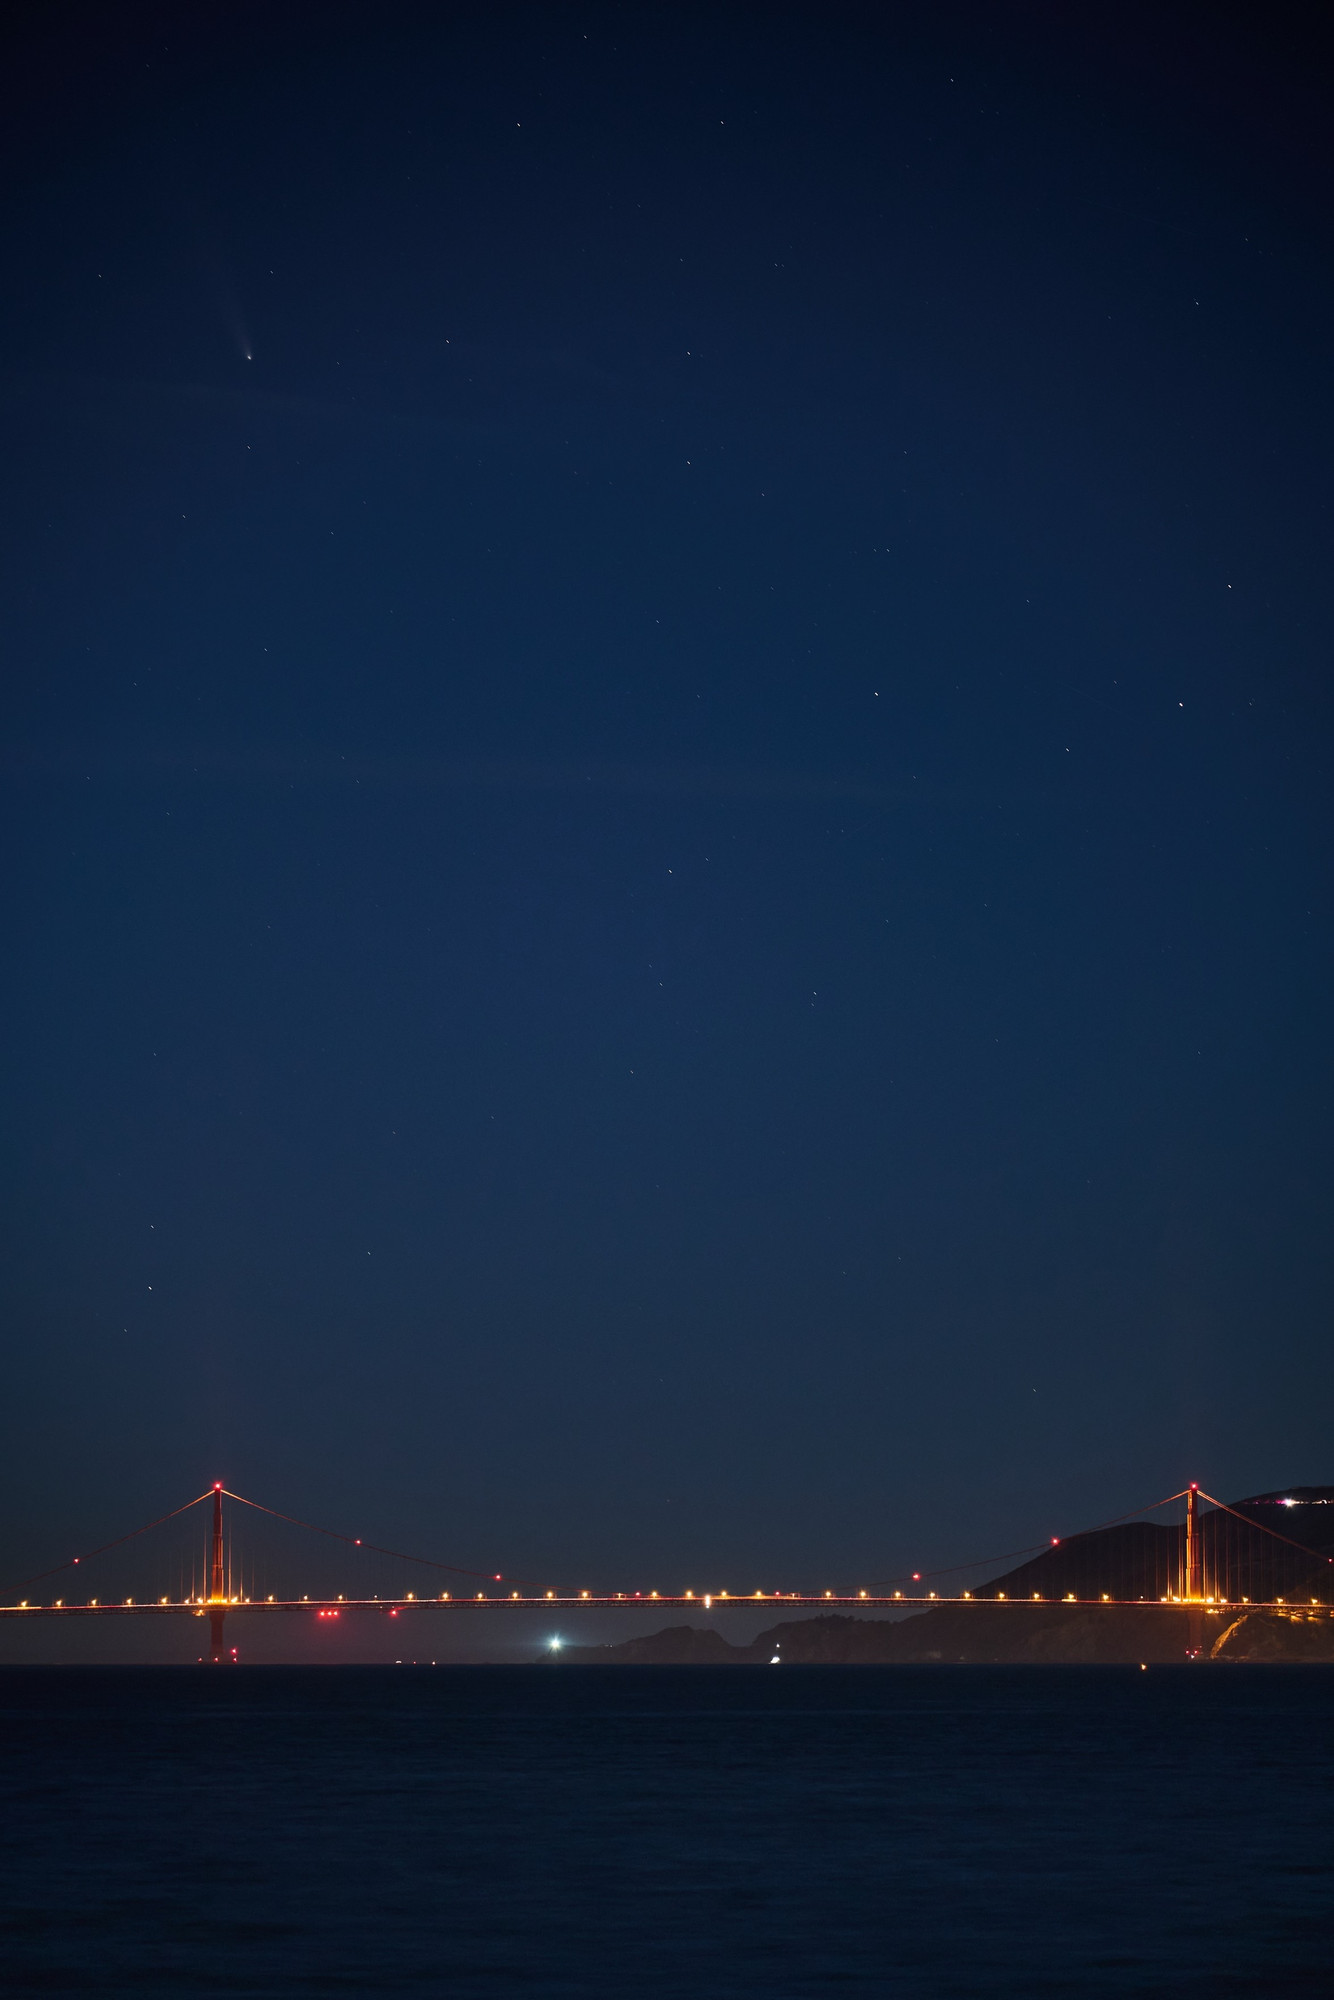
x: 666, y: 728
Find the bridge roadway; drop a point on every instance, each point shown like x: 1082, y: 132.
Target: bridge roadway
x: 584, y: 1600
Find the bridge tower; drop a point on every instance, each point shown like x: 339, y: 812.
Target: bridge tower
x: 1194, y: 1578
x: 217, y: 1590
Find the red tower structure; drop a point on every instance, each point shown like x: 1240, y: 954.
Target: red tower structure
x: 217, y: 1591
x: 1194, y: 1579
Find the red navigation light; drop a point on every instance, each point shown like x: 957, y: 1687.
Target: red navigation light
x: 498, y: 1579
x: 1194, y: 1485
x: 217, y: 1488
x: 917, y: 1576
x: 358, y: 1541
x: 76, y: 1558
x: 1056, y: 1541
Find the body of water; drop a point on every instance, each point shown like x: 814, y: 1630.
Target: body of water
x: 696, y: 1832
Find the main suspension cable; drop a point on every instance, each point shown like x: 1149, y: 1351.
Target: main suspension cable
x: 1035, y: 1548
x: 1313, y: 1554
x: 355, y: 1541
x: 119, y: 1541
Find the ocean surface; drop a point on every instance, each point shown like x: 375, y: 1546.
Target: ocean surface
x: 689, y: 1831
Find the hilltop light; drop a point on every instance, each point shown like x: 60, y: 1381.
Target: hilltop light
x: 555, y: 1645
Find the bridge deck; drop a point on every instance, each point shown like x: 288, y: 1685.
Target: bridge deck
x: 636, y: 1601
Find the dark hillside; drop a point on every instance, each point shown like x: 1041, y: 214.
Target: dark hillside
x: 991, y: 1634
x: 1136, y: 1560
x: 1251, y: 1557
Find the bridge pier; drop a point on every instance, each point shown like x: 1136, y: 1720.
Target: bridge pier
x: 216, y: 1614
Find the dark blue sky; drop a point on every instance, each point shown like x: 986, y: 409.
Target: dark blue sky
x: 666, y: 725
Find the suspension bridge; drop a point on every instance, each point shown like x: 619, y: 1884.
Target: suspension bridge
x: 1187, y: 1549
